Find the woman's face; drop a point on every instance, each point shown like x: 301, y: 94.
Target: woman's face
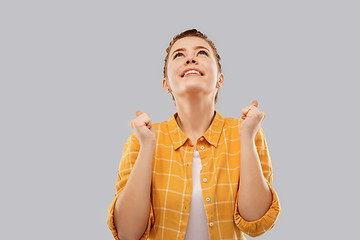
x: 192, y: 53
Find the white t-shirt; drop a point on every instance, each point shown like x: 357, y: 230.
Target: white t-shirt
x: 197, y: 227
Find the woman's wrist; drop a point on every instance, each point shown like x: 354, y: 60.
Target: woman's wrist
x: 246, y: 138
x: 148, y: 148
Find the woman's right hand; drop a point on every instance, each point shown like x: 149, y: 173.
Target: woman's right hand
x: 143, y: 129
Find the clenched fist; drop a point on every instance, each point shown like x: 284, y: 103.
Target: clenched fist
x: 143, y: 129
x: 252, y: 119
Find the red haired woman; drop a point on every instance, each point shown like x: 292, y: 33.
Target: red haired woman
x: 198, y: 175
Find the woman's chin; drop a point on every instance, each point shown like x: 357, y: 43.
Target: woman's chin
x: 195, y: 91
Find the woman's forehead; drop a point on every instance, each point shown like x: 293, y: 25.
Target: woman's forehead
x: 189, y: 43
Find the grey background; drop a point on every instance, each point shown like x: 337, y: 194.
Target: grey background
x: 73, y: 73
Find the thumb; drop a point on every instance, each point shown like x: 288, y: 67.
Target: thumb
x: 255, y: 103
x: 138, y: 113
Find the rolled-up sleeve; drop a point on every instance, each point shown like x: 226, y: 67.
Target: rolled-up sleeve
x: 130, y: 153
x: 267, y: 221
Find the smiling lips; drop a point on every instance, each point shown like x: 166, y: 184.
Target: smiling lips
x: 191, y: 71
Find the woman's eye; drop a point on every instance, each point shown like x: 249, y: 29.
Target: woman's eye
x: 178, y: 54
x: 202, y: 51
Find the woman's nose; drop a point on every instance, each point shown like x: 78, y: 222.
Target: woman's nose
x: 188, y: 61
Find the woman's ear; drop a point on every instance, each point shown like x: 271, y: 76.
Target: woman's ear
x: 166, y: 87
x: 220, y: 81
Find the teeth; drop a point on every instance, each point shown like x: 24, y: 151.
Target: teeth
x: 191, y: 71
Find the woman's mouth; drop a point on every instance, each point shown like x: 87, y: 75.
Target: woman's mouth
x: 192, y: 72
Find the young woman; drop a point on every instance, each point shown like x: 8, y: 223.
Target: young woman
x: 198, y: 175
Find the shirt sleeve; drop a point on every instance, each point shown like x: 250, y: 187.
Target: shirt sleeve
x: 266, y: 222
x: 129, y: 156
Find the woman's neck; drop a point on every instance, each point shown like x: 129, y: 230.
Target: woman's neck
x: 194, y: 120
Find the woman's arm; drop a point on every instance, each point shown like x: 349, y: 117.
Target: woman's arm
x: 254, y: 195
x: 132, y: 208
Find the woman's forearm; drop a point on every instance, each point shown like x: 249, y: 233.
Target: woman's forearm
x: 254, y: 195
x: 132, y: 208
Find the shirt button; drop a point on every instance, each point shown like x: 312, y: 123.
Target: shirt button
x: 202, y: 147
x: 202, y: 139
x: 208, y: 199
x: 204, y: 179
x: 211, y: 224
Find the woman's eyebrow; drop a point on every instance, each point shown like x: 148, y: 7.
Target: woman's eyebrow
x: 183, y: 49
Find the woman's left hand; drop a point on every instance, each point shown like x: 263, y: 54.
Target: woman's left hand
x: 252, y: 119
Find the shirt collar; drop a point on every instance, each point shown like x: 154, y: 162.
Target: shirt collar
x: 212, y: 134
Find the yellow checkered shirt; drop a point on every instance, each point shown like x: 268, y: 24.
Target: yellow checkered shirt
x: 171, y: 187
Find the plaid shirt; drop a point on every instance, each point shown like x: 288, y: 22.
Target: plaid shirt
x: 171, y: 187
